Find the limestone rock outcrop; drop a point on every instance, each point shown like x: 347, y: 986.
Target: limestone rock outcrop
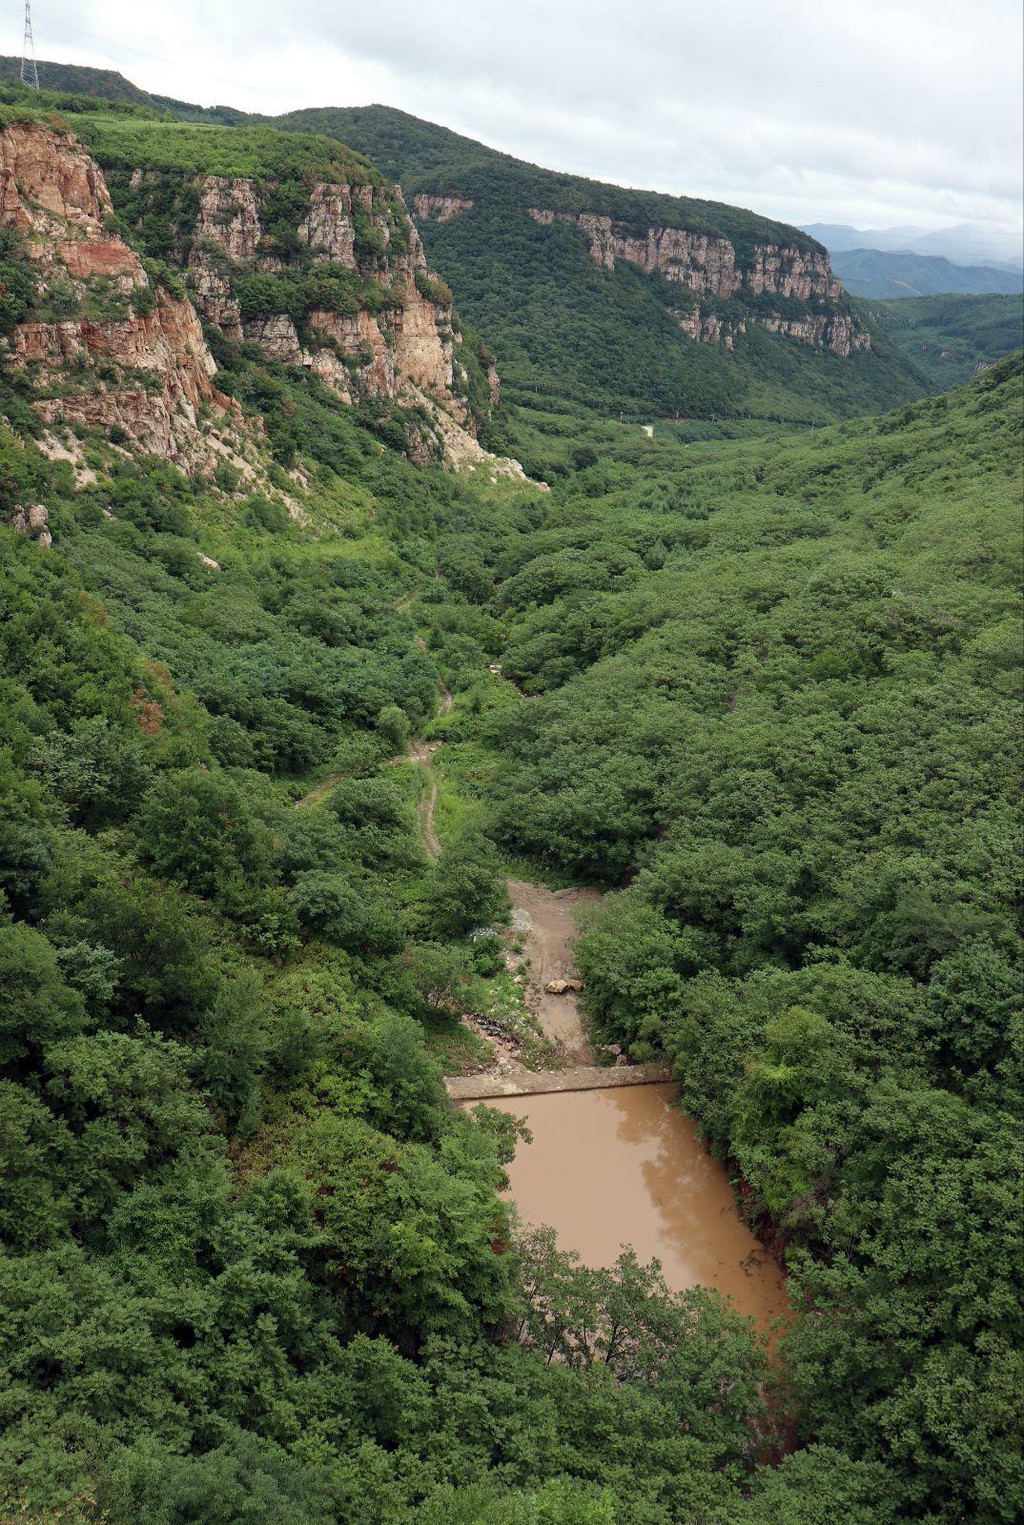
x: 34, y: 522
x: 401, y: 338
x: 838, y: 332
x: 711, y: 266
x: 441, y: 208
x: 123, y: 352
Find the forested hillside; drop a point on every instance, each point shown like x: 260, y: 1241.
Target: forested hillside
x: 773, y: 693
x: 763, y: 690
x: 952, y: 337
x: 80, y: 79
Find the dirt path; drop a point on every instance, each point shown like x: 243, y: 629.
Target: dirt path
x: 321, y: 791
x: 546, y: 919
x: 419, y: 751
x: 426, y: 809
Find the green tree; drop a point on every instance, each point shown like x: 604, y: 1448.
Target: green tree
x: 38, y: 1005
x: 196, y: 830
x: 466, y: 890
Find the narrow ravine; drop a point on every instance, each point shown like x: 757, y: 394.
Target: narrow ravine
x: 612, y: 1161
x: 545, y: 921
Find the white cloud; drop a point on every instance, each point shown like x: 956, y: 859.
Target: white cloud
x: 869, y: 111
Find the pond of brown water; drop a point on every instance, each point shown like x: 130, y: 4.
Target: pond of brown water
x: 624, y: 1167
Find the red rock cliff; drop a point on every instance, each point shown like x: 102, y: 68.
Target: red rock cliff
x: 121, y: 351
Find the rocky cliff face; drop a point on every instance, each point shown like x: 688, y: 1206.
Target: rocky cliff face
x: 33, y: 522
x: 712, y: 267
x: 396, y: 341
x: 441, y: 208
x: 118, y: 350
x: 839, y: 332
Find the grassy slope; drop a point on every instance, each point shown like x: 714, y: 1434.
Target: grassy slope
x: 124, y: 143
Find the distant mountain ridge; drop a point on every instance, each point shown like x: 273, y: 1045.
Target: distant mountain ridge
x: 965, y: 244
x: 876, y: 273
x: 105, y: 84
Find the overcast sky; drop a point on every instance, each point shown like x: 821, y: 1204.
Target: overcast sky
x: 871, y: 112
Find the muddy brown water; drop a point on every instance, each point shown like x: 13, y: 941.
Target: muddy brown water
x: 624, y: 1167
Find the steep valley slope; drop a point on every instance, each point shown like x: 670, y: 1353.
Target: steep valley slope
x: 618, y: 301
x: 762, y: 692
x: 630, y: 300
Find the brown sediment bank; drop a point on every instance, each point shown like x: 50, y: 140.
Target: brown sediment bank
x: 547, y: 921
x: 621, y: 1166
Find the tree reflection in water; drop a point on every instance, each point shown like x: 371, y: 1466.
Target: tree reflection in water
x: 608, y: 1168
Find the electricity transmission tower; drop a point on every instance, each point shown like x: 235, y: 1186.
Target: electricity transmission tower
x: 29, y: 72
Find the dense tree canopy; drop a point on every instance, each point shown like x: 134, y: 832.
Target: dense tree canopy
x: 763, y: 690
x: 780, y: 715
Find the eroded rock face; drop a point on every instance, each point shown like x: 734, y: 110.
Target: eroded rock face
x: 702, y: 263
x: 440, y: 208
x: 710, y: 266
x: 792, y: 273
x: 33, y: 522
x: 229, y: 217
x: 213, y: 295
x: 144, y: 366
x: 405, y: 343
x: 44, y: 174
x: 424, y: 351
x: 837, y: 332
x: 328, y: 228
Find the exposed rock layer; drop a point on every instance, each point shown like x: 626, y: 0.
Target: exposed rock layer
x: 441, y: 208
x: 380, y: 350
x: 130, y: 355
x: 711, y: 266
x: 34, y: 522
